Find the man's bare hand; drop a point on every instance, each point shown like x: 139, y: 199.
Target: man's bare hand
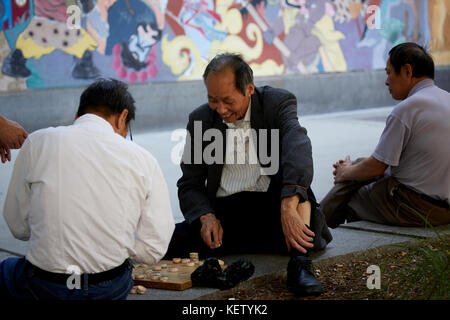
x: 340, y: 168
x: 12, y: 135
x: 211, y: 231
x: 296, y: 233
x: 5, y: 154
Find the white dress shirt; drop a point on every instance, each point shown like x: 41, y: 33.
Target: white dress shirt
x: 83, y: 195
x: 241, y: 171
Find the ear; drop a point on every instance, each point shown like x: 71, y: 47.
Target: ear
x: 250, y: 89
x: 408, y: 70
x: 120, y: 121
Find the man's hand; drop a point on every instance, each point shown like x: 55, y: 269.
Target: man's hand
x: 211, y: 227
x: 293, y: 215
x: 340, y: 169
x: 12, y: 135
x: 5, y: 154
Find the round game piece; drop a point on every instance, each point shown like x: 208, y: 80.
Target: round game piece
x: 144, y: 266
x: 221, y: 262
x: 140, y: 277
x: 193, y: 255
x: 140, y: 289
x: 190, y: 264
x: 173, y: 269
x: 164, y: 265
x: 157, y: 268
x: 164, y: 279
x: 155, y: 277
x: 176, y: 260
x: 184, y: 261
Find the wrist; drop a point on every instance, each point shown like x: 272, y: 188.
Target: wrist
x: 206, y: 216
x: 289, y: 203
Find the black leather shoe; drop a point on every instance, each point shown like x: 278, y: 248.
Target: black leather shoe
x: 300, y: 277
x: 210, y: 274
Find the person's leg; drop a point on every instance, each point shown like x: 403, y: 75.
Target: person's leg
x: 387, y: 201
x: 334, y: 204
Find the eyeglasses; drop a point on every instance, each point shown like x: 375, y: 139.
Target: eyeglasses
x: 129, y: 130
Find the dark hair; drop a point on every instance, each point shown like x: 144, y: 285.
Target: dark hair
x: 415, y: 55
x: 107, y: 96
x: 242, y: 72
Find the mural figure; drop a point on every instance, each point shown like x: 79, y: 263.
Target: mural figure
x: 47, y: 32
x: 97, y: 23
x: 135, y: 26
x: 270, y: 61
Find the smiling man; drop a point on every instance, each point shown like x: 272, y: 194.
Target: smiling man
x: 406, y: 181
x: 238, y: 206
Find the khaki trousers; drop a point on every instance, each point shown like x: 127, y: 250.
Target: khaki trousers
x: 382, y: 200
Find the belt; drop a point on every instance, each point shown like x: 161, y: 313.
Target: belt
x: 92, y: 278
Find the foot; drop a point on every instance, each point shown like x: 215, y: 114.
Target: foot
x: 210, y: 274
x: 85, y: 68
x: 300, y: 277
x: 238, y: 271
x: 14, y: 65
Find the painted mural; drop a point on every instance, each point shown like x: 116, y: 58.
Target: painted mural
x: 63, y: 43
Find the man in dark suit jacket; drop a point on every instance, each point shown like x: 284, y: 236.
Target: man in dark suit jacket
x: 260, y: 206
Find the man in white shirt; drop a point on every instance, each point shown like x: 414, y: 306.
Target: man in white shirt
x: 406, y: 181
x: 87, y: 200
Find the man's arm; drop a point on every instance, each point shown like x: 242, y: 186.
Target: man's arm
x: 18, y: 198
x: 192, y: 192
x: 156, y: 225
x: 12, y: 136
x: 297, y: 166
x: 361, y: 171
x: 296, y: 152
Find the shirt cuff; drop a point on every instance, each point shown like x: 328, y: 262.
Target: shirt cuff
x: 291, y: 190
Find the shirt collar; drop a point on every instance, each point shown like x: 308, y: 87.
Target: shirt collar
x: 94, y: 119
x: 245, y: 119
x: 421, y: 85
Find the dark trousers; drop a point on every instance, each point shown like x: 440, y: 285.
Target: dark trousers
x: 252, y: 224
x: 18, y: 281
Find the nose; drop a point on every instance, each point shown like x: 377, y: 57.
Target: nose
x: 221, y: 108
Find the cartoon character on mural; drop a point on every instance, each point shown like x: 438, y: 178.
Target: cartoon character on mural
x: 309, y: 36
x: 194, y: 27
x: 46, y: 32
x: 97, y: 23
x: 135, y: 26
x: 270, y: 61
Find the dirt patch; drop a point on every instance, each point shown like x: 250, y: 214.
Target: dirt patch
x: 417, y: 269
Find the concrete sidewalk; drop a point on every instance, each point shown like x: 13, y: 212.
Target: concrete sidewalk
x: 333, y: 136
